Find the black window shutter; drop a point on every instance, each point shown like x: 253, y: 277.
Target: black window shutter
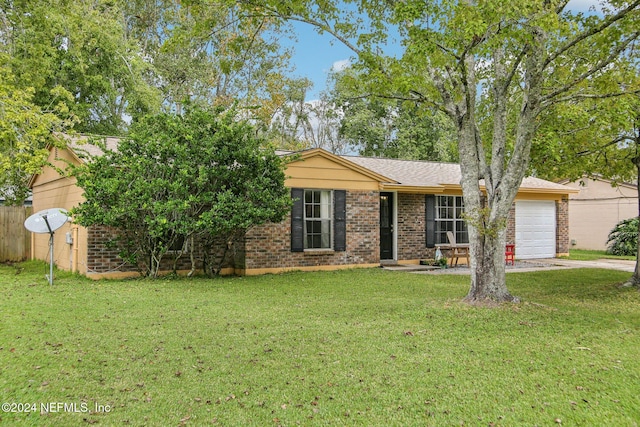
x: 430, y: 220
x: 340, y: 220
x: 297, y: 220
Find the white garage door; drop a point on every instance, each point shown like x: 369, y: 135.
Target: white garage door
x: 535, y: 229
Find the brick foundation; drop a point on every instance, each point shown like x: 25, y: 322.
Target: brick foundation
x: 102, y: 257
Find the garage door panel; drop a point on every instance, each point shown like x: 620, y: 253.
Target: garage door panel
x: 535, y: 229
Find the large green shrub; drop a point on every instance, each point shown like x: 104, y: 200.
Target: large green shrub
x: 623, y: 239
x: 203, y: 174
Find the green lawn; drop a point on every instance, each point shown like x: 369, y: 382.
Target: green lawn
x: 585, y: 255
x: 362, y: 347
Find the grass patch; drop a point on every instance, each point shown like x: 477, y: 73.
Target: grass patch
x: 588, y: 255
x: 361, y: 347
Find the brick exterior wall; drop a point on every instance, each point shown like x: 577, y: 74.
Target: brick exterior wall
x: 269, y: 245
x: 511, y: 225
x: 102, y: 257
x: 562, y: 226
x: 411, y: 230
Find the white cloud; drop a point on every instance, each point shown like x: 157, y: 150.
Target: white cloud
x: 340, y: 65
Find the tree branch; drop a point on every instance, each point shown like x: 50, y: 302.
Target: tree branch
x: 516, y: 65
x: 324, y: 26
x: 599, y: 66
x: 590, y: 32
x: 447, y: 51
x: 581, y: 96
x: 561, y: 6
x: 449, y: 106
x: 595, y: 151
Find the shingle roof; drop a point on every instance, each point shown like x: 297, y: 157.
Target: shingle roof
x: 82, y: 147
x: 411, y: 172
x: 430, y: 174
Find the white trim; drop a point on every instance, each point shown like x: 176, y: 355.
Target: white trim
x: 395, y: 224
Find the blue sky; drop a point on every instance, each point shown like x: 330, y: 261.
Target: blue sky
x: 315, y: 55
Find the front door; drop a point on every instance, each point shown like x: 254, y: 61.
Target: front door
x: 386, y: 226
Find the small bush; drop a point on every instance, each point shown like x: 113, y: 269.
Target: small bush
x: 623, y: 239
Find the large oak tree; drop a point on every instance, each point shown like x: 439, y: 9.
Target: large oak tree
x: 518, y: 59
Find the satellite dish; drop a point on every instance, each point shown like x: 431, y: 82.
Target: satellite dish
x: 47, y: 221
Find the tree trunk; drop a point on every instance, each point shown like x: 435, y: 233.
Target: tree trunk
x: 192, y: 256
x: 486, y: 224
x: 635, y: 278
x: 488, y: 276
x: 501, y: 174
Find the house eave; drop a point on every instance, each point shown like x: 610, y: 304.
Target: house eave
x: 414, y: 189
x: 554, y: 191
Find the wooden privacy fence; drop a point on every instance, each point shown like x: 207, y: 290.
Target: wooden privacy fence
x: 15, y: 240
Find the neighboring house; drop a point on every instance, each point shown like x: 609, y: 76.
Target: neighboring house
x: 596, y: 208
x: 348, y: 212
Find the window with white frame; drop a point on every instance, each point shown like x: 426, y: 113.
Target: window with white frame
x: 318, y: 215
x: 448, y: 217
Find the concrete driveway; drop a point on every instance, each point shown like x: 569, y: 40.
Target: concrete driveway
x: 611, y: 264
x: 522, y: 266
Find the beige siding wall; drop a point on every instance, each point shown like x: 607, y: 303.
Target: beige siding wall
x: 320, y: 172
x: 596, y: 209
x: 50, y: 190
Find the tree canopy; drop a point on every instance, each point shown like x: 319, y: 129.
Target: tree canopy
x: 389, y: 127
x: 121, y: 60
x: 103, y: 65
x: 84, y: 48
x: 25, y: 131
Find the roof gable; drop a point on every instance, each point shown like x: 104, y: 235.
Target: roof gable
x: 77, y: 150
x: 317, y: 168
